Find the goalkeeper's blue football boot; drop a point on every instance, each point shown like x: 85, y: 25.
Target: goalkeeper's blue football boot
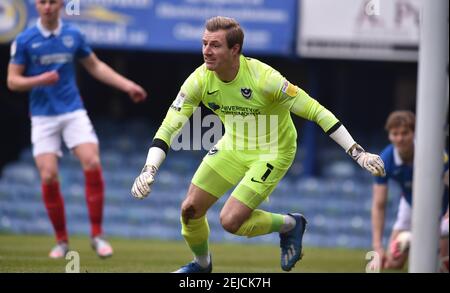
x: 194, y: 267
x: 291, y: 243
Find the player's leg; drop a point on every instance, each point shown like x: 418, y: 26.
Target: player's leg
x: 88, y: 155
x: 240, y: 216
x: 46, y: 140
x: 217, y: 173
x: 195, y: 229
x: 240, y: 219
x: 47, y: 165
x: 80, y: 138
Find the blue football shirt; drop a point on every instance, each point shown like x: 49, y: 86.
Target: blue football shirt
x: 40, y: 50
x: 402, y: 173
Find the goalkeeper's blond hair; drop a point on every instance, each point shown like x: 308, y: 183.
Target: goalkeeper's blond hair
x: 234, y: 33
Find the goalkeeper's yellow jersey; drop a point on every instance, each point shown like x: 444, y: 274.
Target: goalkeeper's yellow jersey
x: 254, y: 107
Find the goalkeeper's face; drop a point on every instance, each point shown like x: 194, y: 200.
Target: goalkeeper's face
x: 216, y: 54
x: 402, y: 138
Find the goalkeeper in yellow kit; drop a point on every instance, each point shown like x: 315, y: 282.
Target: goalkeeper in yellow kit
x: 254, y: 103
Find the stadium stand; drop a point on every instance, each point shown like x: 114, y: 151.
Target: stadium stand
x: 337, y: 203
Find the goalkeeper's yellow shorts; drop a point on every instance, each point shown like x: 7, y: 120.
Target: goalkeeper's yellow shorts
x: 255, y: 174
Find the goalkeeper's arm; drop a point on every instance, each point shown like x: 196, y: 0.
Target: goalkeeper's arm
x: 156, y: 155
x: 172, y: 124
x: 308, y: 108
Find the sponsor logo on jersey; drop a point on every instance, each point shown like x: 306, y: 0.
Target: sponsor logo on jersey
x: 179, y: 102
x: 239, y: 110
x: 212, y: 92
x: 36, y: 45
x: 214, y: 106
x: 289, y: 89
x: 59, y: 58
x: 246, y: 92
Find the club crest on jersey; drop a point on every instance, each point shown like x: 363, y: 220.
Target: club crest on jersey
x: 247, y: 93
x: 68, y: 41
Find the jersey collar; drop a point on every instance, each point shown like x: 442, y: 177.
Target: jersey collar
x: 47, y: 33
x: 397, y: 159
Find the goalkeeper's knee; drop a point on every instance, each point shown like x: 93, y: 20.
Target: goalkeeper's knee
x: 230, y: 223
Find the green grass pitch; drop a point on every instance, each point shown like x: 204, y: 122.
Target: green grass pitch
x: 28, y: 253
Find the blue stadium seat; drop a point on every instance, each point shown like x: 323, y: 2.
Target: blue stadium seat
x: 337, y: 203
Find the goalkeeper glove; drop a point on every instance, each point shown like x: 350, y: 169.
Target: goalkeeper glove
x: 142, y: 184
x: 372, y: 163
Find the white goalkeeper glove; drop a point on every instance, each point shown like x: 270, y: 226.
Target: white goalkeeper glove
x: 372, y: 163
x: 142, y: 184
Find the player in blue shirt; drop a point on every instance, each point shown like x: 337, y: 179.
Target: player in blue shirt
x: 398, y: 161
x: 43, y: 62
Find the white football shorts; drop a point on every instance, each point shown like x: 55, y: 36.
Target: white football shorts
x: 74, y: 128
x: 403, y: 221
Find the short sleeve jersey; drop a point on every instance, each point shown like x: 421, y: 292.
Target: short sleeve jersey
x: 41, y: 51
x: 402, y: 173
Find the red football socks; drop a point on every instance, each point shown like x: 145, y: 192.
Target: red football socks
x: 54, y: 204
x: 94, y: 197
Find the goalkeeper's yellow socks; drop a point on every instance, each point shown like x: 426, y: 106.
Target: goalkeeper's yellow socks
x: 262, y: 222
x: 196, y: 231
x: 196, y: 235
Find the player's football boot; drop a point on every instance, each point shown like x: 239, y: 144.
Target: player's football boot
x: 59, y: 250
x: 291, y: 243
x: 101, y: 247
x: 194, y: 267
